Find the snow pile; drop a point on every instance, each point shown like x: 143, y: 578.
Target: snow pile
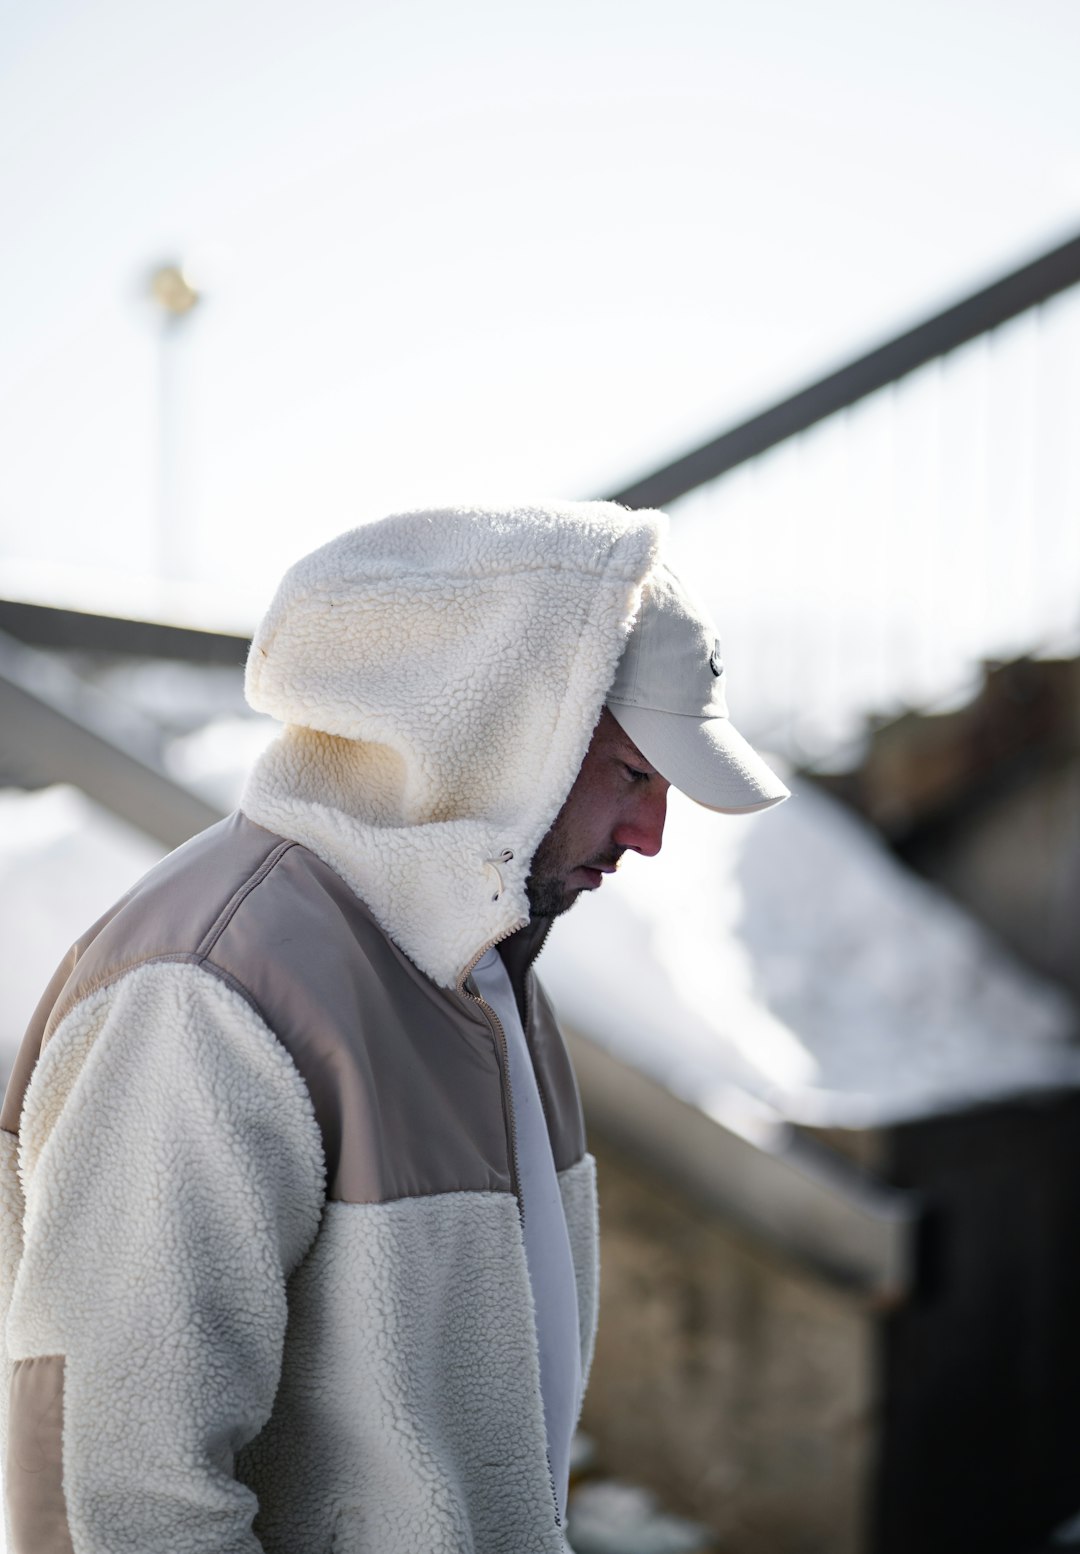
x: 609, y: 1517
x: 63, y: 862
x: 789, y: 955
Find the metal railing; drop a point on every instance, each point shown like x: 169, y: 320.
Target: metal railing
x: 869, y: 540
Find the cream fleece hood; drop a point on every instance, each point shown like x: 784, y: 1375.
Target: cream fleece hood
x: 440, y: 675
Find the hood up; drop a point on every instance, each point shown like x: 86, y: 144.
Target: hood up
x: 440, y: 675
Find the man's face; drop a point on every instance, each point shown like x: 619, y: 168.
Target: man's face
x: 618, y: 801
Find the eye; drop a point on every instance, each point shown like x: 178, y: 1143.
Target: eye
x: 635, y: 774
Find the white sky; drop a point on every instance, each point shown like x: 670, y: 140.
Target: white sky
x: 466, y: 250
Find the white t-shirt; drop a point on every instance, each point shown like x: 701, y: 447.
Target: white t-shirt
x: 547, y: 1243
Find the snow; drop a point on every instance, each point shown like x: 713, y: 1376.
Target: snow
x: 63, y: 862
x: 773, y: 965
x: 609, y: 1517
x: 215, y: 759
x: 788, y: 957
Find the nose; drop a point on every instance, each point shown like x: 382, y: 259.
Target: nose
x: 642, y: 829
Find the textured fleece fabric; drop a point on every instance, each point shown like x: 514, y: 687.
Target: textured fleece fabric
x: 440, y: 675
x: 164, y: 1105
x: 245, y: 1363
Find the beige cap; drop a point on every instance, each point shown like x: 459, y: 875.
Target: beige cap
x: 668, y: 696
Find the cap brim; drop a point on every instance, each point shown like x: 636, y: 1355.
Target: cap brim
x: 705, y: 758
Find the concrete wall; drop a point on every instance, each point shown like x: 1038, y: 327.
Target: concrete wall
x: 740, y: 1387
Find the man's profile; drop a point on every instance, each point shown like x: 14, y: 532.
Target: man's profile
x: 298, y: 1222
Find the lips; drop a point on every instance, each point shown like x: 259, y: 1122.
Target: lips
x: 593, y: 873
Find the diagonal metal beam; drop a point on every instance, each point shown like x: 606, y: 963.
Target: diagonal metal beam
x: 46, y: 626
x: 975, y: 315
x: 55, y: 728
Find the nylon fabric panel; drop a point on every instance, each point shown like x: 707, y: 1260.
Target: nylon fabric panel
x: 34, y: 1470
x: 403, y: 1074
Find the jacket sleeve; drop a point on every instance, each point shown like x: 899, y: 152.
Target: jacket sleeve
x: 172, y: 1171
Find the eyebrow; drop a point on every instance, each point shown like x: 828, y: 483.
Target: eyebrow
x: 629, y: 752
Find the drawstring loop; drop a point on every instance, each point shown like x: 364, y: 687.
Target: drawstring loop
x: 506, y: 856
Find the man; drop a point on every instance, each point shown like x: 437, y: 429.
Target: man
x: 300, y: 1253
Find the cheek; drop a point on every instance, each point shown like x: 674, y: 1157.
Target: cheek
x: 604, y: 813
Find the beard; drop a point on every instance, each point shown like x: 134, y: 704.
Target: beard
x: 548, y: 897
x: 546, y: 885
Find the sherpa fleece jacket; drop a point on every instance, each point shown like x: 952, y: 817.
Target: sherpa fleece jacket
x: 261, y: 1251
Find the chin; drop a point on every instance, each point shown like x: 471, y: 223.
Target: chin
x: 551, y: 898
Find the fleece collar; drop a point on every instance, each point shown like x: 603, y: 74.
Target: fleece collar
x: 440, y: 675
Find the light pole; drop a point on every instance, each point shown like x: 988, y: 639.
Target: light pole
x: 176, y: 298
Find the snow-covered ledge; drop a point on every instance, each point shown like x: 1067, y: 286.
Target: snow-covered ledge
x: 788, y: 957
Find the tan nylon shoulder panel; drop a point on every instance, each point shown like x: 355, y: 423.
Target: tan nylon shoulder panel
x: 403, y: 1074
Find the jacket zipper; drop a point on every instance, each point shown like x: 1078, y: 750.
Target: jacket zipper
x: 508, y: 1102
x: 547, y: 1124
x: 503, y: 1052
x: 528, y: 1018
